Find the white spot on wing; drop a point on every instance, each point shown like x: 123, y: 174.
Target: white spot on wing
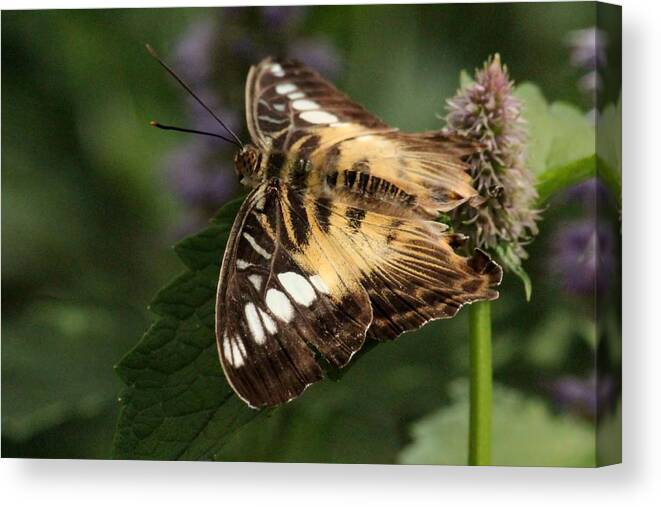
x: 279, y: 305
x: 296, y: 95
x: 238, y: 343
x: 268, y: 322
x: 238, y: 352
x: 227, y: 349
x: 277, y: 70
x: 256, y: 247
x: 319, y: 284
x: 269, y: 119
x: 259, y: 205
x: 234, y: 351
x: 241, y: 264
x: 298, y: 287
x: 279, y: 107
x: 285, y: 88
x: 255, y: 324
x: 256, y: 281
x: 305, y: 105
x: 319, y: 117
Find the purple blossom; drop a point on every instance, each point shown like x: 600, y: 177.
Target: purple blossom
x: 198, y: 178
x: 583, y: 257
x: 320, y: 54
x: 583, y: 396
x: 194, y: 50
x: 279, y: 18
x: 588, y: 193
x: 576, y: 394
x: 202, y: 120
x: 588, y: 53
x: 588, y: 48
x: 590, y: 83
x: 487, y: 113
x: 245, y: 48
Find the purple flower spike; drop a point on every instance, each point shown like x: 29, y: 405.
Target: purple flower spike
x: 487, y: 113
x: 320, y: 54
x: 584, y: 257
x: 576, y: 395
x: 194, y: 50
x: 278, y: 18
x: 588, y: 53
x: 588, y: 193
x: 202, y: 120
x: 197, y: 178
x: 583, y: 396
x: 588, y: 48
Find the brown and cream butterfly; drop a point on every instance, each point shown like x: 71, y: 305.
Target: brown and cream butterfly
x: 336, y: 242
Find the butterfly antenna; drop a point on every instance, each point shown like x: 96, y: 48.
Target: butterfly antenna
x: 235, y: 140
x: 190, y: 131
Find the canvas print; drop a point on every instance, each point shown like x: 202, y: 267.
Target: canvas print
x: 296, y: 234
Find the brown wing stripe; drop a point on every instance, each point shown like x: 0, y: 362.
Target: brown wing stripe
x: 323, y: 208
x: 300, y: 225
x: 368, y: 185
x: 355, y: 216
x: 484, y: 265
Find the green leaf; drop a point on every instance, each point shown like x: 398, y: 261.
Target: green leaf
x: 609, y: 140
x: 465, y: 79
x: 562, y: 144
x: 562, y: 177
x: 513, y: 264
x: 538, y: 124
x: 559, y: 133
x: 609, y: 149
x: 525, y: 433
x: 177, y: 404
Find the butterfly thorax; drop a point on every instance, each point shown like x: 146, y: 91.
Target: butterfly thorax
x: 255, y: 166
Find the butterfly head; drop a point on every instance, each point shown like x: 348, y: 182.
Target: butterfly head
x: 247, y: 163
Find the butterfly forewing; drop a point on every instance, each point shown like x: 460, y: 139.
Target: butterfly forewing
x: 293, y: 110
x: 283, y: 305
x: 285, y: 101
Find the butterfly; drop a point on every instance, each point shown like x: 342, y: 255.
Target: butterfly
x: 337, y: 242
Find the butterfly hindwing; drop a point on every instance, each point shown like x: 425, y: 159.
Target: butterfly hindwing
x: 306, y: 276
x: 279, y: 311
x: 408, y: 267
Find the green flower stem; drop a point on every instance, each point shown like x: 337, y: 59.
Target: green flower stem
x: 479, y: 437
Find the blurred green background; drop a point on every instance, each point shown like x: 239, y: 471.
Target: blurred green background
x: 92, y: 201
